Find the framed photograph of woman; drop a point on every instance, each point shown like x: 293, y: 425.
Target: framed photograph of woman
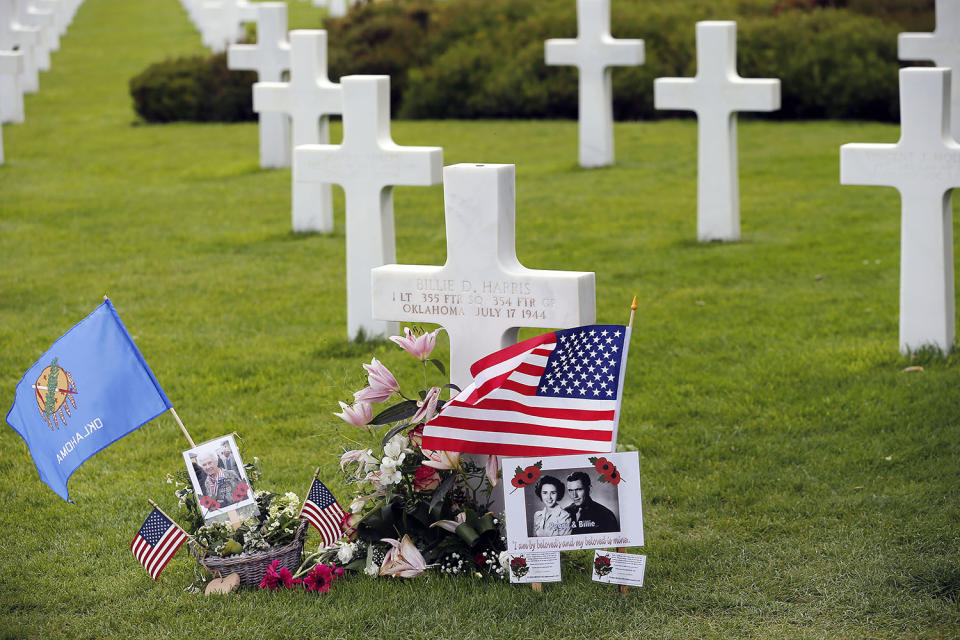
x: 585, y: 501
x: 219, y: 480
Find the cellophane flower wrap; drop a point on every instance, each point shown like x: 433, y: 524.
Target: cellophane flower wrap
x: 411, y: 509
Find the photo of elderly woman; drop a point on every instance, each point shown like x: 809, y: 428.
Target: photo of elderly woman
x: 220, y: 481
x: 552, y: 519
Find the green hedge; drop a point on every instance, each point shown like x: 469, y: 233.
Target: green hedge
x: 199, y: 88
x: 485, y: 58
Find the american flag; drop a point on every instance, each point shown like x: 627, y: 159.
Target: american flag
x: 156, y: 542
x: 323, y: 512
x: 554, y: 394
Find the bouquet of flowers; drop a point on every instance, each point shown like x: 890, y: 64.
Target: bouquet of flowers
x: 413, y: 508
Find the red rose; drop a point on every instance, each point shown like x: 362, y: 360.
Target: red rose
x: 416, y: 436
x: 425, y: 479
x: 530, y: 474
x: 604, y: 466
x: 613, y: 477
x: 349, y: 525
x: 518, y: 562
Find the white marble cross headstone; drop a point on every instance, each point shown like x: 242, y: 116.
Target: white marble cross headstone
x: 11, y: 64
x: 924, y: 166
x: 367, y: 165
x: 717, y: 93
x: 309, y: 98
x: 11, y: 95
x: 338, y: 8
x: 222, y: 23
x: 943, y: 47
x: 593, y: 53
x: 482, y: 295
x: 13, y: 35
x: 269, y: 57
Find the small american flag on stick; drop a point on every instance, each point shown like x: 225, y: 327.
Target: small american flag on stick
x: 156, y: 542
x: 322, y: 511
x: 554, y: 394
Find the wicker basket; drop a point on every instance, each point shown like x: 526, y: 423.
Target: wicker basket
x: 252, y: 568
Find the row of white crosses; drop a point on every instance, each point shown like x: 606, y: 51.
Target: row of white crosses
x: 716, y: 94
x: 29, y: 31
x: 495, y: 295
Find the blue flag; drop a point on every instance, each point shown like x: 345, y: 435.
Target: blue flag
x: 91, y: 388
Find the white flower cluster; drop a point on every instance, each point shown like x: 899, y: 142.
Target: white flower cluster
x: 286, y: 505
x: 394, y: 453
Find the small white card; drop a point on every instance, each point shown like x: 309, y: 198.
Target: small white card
x: 619, y: 568
x: 535, y: 566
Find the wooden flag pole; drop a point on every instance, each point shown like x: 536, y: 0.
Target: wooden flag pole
x: 182, y: 428
x: 316, y: 474
x: 633, y: 310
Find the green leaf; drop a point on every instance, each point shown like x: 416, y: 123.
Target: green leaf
x: 518, y: 471
x: 438, y: 365
x: 469, y: 535
x: 539, y: 464
x: 397, y: 412
x: 452, y: 386
x: 394, y: 431
x: 592, y: 459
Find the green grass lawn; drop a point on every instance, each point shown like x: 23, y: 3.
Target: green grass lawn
x: 797, y: 482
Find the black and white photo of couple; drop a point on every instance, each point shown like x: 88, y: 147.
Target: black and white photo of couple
x: 567, y: 504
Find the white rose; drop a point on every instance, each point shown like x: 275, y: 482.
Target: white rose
x: 504, y: 559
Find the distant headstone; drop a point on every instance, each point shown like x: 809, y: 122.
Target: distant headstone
x: 367, y: 165
x: 717, y: 93
x: 593, y: 53
x: 221, y: 23
x: 11, y: 64
x: 924, y: 166
x: 309, y: 98
x: 14, y: 36
x: 943, y: 47
x: 269, y: 57
x: 48, y: 39
x: 11, y: 94
x: 338, y: 8
x: 482, y: 295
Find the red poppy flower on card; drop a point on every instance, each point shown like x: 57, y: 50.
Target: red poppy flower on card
x: 613, y: 477
x: 604, y: 466
x: 530, y: 474
x: 241, y: 492
x: 209, y: 503
x: 518, y: 482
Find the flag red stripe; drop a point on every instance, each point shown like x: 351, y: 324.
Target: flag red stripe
x: 513, y: 385
x: 530, y: 369
x: 494, y: 404
x: 505, y: 354
x: 495, y: 448
x: 511, y: 427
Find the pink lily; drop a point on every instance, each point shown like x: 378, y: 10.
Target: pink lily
x: 419, y: 347
x: 451, y: 525
x: 363, y: 456
x: 442, y: 459
x: 381, y: 381
x: 428, y: 406
x: 403, y: 560
x: 357, y: 414
x: 492, y: 468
